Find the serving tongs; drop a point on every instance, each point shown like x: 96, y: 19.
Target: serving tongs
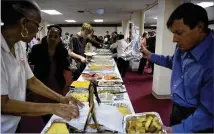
x: 92, y: 91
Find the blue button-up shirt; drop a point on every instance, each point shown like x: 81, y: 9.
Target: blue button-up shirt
x: 192, y: 83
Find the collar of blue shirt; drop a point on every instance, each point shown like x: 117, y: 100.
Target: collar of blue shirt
x: 201, y: 48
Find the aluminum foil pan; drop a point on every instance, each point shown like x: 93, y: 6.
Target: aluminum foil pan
x: 110, y: 83
x: 128, y: 117
x: 119, y: 95
x: 80, y: 90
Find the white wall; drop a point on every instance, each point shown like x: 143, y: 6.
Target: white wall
x: 44, y: 31
x: 211, y: 26
x: 99, y: 31
x: 119, y: 29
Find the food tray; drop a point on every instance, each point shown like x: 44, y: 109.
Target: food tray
x: 102, y: 57
x: 112, y: 76
x: 106, y: 97
x: 80, y: 91
x: 94, y: 66
x: 103, y: 62
x: 128, y: 117
x: 123, y: 104
x: 90, y: 76
x: 117, y: 91
x: 103, y: 51
x: 81, y: 84
x: 110, y: 83
x: 70, y: 128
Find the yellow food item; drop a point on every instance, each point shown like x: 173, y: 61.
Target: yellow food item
x: 111, y: 77
x: 83, y: 97
x: 124, y: 110
x: 140, y: 130
x: 131, y: 124
x: 131, y: 131
x: 156, y: 124
x: 93, y: 126
x: 142, y: 119
x: 58, y: 128
x: 95, y: 67
x: 81, y: 84
x: 148, y: 122
x: 144, y: 124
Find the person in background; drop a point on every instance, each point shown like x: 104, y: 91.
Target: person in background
x: 143, y: 60
x: 107, y: 37
x: 21, y: 23
x: 151, y: 46
x: 50, y: 61
x: 192, y: 70
x: 38, y: 39
x: 71, y: 36
x: 77, y: 48
x: 100, y: 38
x: 66, y: 40
x: 121, y: 45
x: 114, y: 37
x: 94, y: 40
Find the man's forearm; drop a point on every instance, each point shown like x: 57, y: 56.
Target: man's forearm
x: 39, y: 88
x: 20, y: 108
x: 72, y: 54
x: 165, y: 61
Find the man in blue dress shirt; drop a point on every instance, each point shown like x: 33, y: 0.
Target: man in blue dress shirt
x: 192, y: 70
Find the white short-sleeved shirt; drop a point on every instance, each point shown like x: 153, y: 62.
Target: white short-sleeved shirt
x: 14, y: 74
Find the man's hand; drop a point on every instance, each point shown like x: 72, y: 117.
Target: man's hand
x: 83, y: 59
x: 146, y: 53
x: 66, y: 111
x: 71, y: 99
x: 168, y: 129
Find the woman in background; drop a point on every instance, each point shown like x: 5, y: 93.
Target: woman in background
x: 143, y: 60
x: 50, y: 60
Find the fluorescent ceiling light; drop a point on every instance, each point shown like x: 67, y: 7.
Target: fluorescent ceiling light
x: 52, y: 12
x: 70, y: 20
x: 100, y: 11
x: 98, y: 20
x: 156, y: 18
x: 2, y: 23
x: 206, y: 4
x: 49, y: 24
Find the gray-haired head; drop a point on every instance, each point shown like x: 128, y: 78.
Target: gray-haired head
x: 13, y: 10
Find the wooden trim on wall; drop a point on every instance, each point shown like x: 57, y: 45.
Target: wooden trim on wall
x: 93, y: 25
x: 210, y: 22
x: 150, y: 27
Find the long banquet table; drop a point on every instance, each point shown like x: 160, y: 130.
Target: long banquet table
x: 126, y: 96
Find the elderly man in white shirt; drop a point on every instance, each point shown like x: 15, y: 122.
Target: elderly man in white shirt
x: 121, y: 45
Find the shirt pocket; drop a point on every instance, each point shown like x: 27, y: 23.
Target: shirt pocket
x: 192, y: 80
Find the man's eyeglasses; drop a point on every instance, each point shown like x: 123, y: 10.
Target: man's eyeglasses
x: 37, y: 24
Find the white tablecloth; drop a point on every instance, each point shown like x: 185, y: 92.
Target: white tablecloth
x: 126, y: 99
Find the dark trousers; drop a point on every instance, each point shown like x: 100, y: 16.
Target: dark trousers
x: 122, y: 66
x: 141, y: 65
x: 80, y: 68
x: 46, y: 118
x: 18, y: 129
x: 152, y: 66
x: 180, y: 113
